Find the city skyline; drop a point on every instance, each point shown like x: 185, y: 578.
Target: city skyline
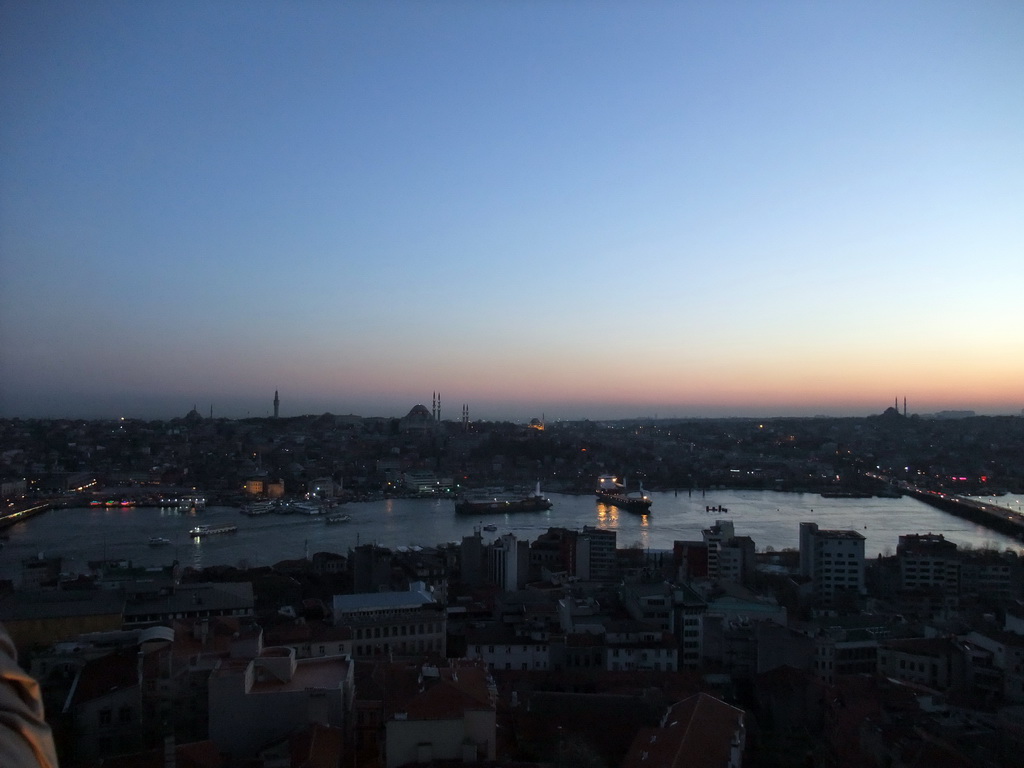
x: 681, y: 210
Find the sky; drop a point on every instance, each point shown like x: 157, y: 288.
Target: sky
x: 534, y: 208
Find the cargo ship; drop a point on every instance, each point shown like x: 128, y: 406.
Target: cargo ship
x: 492, y: 502
x: 611, y: 491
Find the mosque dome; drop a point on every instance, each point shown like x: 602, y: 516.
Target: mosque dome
x: 419, y: 412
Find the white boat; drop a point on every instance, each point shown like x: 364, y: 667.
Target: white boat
x: 259, y: 508
x: 209, y: 530
x: 307, y: 508
x: 340, y: 518
x: 158, y: 541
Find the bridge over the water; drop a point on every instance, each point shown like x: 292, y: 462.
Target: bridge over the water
x: 992, y: 516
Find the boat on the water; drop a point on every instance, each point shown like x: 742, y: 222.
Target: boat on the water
x: 491, y: 501
x: 209, y: 530
x: 611, y: 491
x: 307, y: 508
x: 158, y: 541
x: 259, y: 508
x: 339, y: 518
x: 490, y: 527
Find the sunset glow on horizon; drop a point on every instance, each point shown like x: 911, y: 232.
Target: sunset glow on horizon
x: 681, y: 210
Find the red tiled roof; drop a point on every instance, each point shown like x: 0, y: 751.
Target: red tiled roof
x: 109, y: 673
x: 319, y: 746
x: 698, y: 730
x: 451, y: 696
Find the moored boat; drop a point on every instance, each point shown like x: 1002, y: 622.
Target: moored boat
x: 259, y: 508
x: 490, y: 502
x: 611, y: 491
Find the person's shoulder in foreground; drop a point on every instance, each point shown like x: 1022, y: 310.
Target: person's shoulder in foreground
x: 25, y: 737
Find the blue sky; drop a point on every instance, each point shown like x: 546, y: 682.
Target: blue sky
x: 596, y: 209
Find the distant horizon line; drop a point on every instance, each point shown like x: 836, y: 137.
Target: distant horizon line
x: 946, y: 413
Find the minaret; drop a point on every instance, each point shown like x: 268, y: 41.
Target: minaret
x: 904, y: 405
x: 277, y: 404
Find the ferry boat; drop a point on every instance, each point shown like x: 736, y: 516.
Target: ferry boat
x: 307, y: 508
x: 259, y: 508
x: 209, y: 530
x: 611, y: 491
x: 158, y: 541
x: 488, y: 502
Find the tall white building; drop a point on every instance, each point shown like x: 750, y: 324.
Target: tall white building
x: 508, y: 561
x: 833, y: 559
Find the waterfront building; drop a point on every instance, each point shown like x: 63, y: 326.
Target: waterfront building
x: 424, y: 482
x: 263, y: 486
x: 323, y: 488
x: 833, y: 559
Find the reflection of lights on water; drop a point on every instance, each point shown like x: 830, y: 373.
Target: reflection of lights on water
x: 608, y: 515
x: 197, y: 551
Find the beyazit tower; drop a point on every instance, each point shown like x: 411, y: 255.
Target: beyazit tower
x: 277, y: 404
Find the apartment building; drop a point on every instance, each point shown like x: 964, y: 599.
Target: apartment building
x: 833, y: 559
x: 393, y: 623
